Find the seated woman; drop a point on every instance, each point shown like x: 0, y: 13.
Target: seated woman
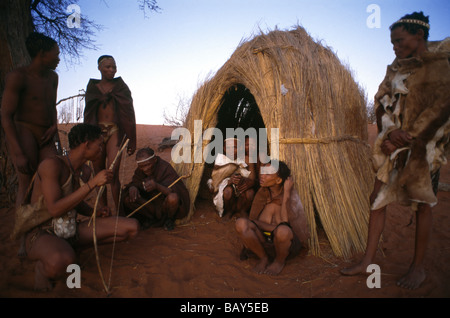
x: 276, y: 226
x: 233, y: 180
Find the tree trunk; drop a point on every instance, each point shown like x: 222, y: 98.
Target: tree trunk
x: 15, y: 25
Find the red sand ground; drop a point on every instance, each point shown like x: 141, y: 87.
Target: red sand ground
x: 201, y: 258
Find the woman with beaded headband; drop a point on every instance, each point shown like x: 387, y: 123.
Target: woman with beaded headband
x: 109, y: 105
x: 413, y: 118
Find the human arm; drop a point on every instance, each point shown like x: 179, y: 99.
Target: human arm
x: 10, y: 103
x: 264, y: 226
x: 241, y: 182
x: 85, y: 209
x: 399, y: 138
x: 387, y: 147
x: 249, y: 182
x: 135, y: 187
x: 426, y: 124
x: 133, y: 193
x: 53, y: 129
x: 150, y: 185
x: 235, y: 179
x: 49, y: 173
x: 48, y: 135
x: 288, y: 185
x: 396, y: 139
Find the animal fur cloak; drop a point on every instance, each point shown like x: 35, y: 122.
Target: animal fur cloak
x: 224, y: 168
x: 123, y: 108
x: 415, y: 97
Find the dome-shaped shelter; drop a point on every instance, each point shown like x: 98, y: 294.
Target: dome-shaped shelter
x: 285, y: 80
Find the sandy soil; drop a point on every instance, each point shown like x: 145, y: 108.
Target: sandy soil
x: 201, y: 259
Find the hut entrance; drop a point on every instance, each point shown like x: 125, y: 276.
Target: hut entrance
x: 238, y: 109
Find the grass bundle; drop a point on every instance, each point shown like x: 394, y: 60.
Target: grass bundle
x: 301, y: 88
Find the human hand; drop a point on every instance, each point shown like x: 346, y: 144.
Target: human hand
x: 245, y: 184
x: 149, y: 185
x: 236, y: 178
x: 23, y: 165
x: 399, y: 138
x: 103, y: 212
x: 242, y: 187
x: 103, y: 177
x: 133, y: 194
x: 288, y: 184
x: 48, y: 135
x: 387, y: 147
x: 131, y: 150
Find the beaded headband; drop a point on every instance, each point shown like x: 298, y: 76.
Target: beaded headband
x: 146, y: 159
x: 412, y: 21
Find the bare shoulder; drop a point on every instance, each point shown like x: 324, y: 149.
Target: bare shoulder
x: 53, y: 74
x: 17, y: 76
x: 53, y: 77
x: 50, y: 166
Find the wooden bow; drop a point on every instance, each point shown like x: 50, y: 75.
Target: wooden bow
x: 94, y: 216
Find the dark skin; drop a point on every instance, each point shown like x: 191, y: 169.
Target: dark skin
x: 268, y: 219
x: 54, y: 254
x: 29, y: 98
x: 244, y: 186
x: 106, y: 113
x: 171, y: 202
x: 405, y: 45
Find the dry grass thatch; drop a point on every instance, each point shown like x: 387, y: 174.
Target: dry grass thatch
x: 322, y: 125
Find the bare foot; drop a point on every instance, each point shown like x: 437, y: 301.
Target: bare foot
x: 354, y: 270
x: 274, y: 269
x: 41, y: 282
x: 261, y: 266
x: 413, y: 279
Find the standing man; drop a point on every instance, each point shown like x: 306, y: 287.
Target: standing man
x: 28, y: 110
x: 413, y: 118
x: 109, y: 105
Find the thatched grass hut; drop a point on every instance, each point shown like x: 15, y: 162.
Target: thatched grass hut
x: 285, y: 80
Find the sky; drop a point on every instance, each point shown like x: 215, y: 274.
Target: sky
x: 165, y: 56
